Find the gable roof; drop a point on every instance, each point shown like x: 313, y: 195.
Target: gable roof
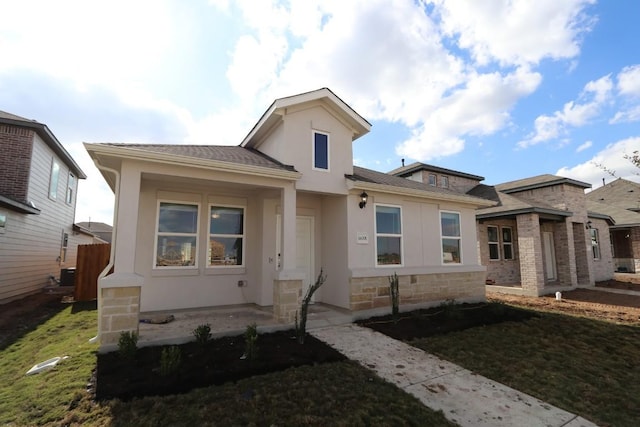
x: 47, y: 136
x: 622, y: 217
x: 277, y: 109
x: 510, y: 205
x: 378, y: 181
x: 539, y: 181
x: 621, y: 192
x: 417, y: 166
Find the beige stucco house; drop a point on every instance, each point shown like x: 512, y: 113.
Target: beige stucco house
x: 38, y: 194
x: 539, y: 237
x: 201, y: 226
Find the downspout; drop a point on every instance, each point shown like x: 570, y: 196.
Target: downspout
x: 113, y: 240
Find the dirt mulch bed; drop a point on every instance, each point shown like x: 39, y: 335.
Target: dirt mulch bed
x: 219, y: 361
x: 444, y: 319
x: 631, y: 283
x: 600, y: 305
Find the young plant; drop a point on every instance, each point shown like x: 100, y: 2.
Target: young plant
x: 128, y: 344
x: 202, y: 333
x: 170, y: 360
x: 301, y: 328
x: 251, y: 342
x: 395, y: 296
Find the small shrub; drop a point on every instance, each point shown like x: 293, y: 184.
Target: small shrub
x: 394, y: 292
x: 301, y: 328
x: 451, y: 309
x: 202, y: 333
x: 128, y: 344
x: 251, y: 342
x: 170, y: 360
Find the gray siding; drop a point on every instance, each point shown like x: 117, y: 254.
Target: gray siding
x: 30, y: 245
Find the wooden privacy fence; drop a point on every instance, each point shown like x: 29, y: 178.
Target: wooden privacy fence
x: 92, y: 259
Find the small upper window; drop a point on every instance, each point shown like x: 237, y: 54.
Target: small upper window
x: 444, y: 181
x: 432, y: 180
x: 3, y: 222
x: 320, y: 151
x: 71, y: 187
x: 53, y: 180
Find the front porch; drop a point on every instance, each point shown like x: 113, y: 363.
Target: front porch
x: 228, y: 320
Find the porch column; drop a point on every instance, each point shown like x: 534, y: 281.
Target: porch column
x: 530, y: 254
x: 287, y: 286
x: 127, y: 221
x: 566, y: 253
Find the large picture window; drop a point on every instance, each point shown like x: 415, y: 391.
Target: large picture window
x: 226, y: 236
x: 320, y: 151
x: 388, y: 235
x: 177, y: 235
x: 494, y: 244
x: 450, y: 233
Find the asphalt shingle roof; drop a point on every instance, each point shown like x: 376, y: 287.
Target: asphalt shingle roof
x: 621, y: 216
x: 621, y: 193
x: 508, y: 202
x: 538, y: 181
x: 222, y: 153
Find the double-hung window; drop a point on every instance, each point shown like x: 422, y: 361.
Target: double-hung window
x: 226, y: 236
x: 53, y: 180
x: 450, y: 234
x: 432, y: 180
x: 494, y: 244
x: 320, y: 151
x: 595, y: 243
x: 177, y: 234
x: 507, y: 243
x: 3, y: 221
x: 388, y: 235
x: 71, y: 187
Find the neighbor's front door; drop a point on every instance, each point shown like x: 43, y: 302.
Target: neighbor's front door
x: 304, y: 249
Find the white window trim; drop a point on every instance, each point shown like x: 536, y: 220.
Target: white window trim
x: 376, y: 235
x: 53, y: 186
x: 156, y: 234
x: 313, y: 151
x: 513, y: 254
x: 243, y: 236
x: 450, y: 237
x: 496, y: 243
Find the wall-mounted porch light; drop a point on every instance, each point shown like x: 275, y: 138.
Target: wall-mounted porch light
x: 588, y: 226
x: 363, y: 200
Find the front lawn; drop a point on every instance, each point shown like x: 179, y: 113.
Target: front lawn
x: 340, y: 393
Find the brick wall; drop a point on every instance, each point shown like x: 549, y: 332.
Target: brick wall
x: 15, y: 162
x: 563, y: 197
x: 501, y: 271
x: 373, y: 292
x: 456, y: 183
x: 530, y: 254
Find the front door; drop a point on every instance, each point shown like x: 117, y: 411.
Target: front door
x: 304, y: 250
x: 549, y: 253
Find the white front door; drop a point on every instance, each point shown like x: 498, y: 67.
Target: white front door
x: 549, y: 253
x: 304, y: 250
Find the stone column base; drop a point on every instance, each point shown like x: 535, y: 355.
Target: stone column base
x: 287, y: 296
x: 119, y: 310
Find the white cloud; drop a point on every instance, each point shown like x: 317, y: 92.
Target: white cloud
x: 612, y: 157
x: 573, y: 114
x: 584, y: 146
x: 629, y: 81
x: 516, y: 32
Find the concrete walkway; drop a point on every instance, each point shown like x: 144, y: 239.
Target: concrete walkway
x: 464, y: 397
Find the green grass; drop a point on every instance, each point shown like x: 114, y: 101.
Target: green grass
x: 584, y: 366
x: 330, y: 394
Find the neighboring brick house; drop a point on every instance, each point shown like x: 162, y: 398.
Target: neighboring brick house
x: 200, y: 226
x: 620, y: 199
x: 38, y: 190
x: 539, y: 236
x: 100, y: 229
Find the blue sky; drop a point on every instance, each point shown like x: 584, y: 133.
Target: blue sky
x: 501, y: 89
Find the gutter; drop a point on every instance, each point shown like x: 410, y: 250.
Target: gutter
x: 114, y: 236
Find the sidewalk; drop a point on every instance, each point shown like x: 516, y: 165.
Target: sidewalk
x: 464, y: 397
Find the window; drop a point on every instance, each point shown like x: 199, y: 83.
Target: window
x: 226, y: 236
x: 320, y: 151
x: 177, y: 235
x: 444, y: 181
x: 3, y: 222
x: 71, y: 187
x: 450, y: 232
x: 432, y: 180
x: 595, y: 243
x: 507, y: 243
x: 388, y: 235
x: 494, y: 244
x: 53, y: 180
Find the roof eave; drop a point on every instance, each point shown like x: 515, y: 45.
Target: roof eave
x: 521, y: 211
x: 18, y: 206
x: 568, y: 181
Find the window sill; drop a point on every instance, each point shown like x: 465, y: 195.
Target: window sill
x: 175, y: 271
